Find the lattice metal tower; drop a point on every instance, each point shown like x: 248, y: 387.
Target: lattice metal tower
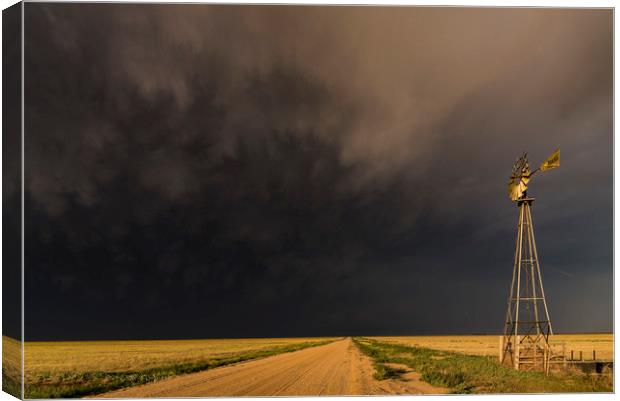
x: 527, y: 327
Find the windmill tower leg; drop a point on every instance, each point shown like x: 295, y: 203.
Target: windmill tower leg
x: 511, y: 325
x: 542, y: 290
x: 532, y: 264
x: 527, y: 324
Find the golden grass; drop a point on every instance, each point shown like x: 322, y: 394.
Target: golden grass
x: 117, y: 356
x: 488, y: 345
x: 11, y: 357
x: 11, y: 366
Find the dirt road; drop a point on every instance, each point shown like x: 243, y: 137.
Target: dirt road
x: 338, y: 368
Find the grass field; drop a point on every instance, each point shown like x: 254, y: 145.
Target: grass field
x: 463, y: 364
x: 463, y: 374
x: 11, y: 366
x: 72, y: 369
x: 488, y: 345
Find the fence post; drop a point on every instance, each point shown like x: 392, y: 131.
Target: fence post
x: 501, y: 349
x: 564, y: 354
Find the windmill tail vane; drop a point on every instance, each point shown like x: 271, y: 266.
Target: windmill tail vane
x: 527, y: 327
x: 552, y: 161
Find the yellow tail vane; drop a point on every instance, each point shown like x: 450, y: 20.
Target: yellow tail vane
x: 552, y: 161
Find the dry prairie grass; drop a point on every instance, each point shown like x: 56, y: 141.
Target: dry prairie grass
x: 11, y: 366
x: 488, y: 345
x: 118, y: 356
x: 11, y: 356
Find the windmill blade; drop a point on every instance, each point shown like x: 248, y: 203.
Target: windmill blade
x: 517, y: 184
x: 513, y: 191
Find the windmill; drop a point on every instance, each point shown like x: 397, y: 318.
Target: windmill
x: 525, y: 341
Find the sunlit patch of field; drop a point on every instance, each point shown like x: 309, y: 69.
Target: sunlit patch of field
x: 78, y: 368
x: 11, y: 355
x: 488, y: 345
x: 110, y: 356
x: 11, y: 366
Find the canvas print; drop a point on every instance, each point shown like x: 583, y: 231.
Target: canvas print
x: 206, y: 200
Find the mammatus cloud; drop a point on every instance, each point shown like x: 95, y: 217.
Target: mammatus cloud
x: 295, y: 158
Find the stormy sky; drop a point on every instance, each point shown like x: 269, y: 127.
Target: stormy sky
x: 234, y: 171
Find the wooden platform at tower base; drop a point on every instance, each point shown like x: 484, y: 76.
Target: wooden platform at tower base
x: 547, y: 358
x: 529, y: 356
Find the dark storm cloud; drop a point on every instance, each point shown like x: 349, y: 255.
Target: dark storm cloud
x: 12, y: 173
x: 244, y: 171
